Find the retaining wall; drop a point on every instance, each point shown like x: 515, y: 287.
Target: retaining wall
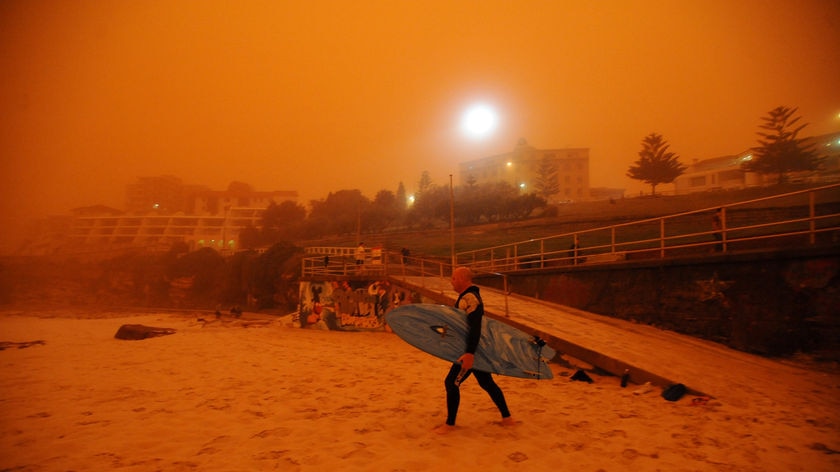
x: 770, y: 303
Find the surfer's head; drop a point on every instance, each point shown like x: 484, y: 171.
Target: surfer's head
x: 461, y: 278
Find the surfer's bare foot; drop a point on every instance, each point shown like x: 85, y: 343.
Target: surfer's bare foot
x: 509, y: 421
x: 444, y: 429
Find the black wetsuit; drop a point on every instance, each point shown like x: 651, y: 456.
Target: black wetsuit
x: 470, y: 301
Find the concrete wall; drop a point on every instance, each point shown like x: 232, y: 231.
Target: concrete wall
x: 770, y: 303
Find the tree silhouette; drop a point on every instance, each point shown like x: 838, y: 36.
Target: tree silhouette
x: 656, y: 165
x: 779, y: 150
x: 425, y: 183
x: 546, y: 183
x: 339, y: 213
x: 281, y: 221
x: 382, y: 212
x: 402, y: 198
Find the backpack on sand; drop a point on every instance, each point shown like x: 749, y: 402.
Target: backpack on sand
x: 674, y: 392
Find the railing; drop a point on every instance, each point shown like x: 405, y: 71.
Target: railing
x: 336, y: 262
x: 806, y: 217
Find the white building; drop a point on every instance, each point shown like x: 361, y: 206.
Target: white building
x: 725, y: 173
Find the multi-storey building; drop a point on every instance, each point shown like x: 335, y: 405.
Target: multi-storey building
x: 161, y: 211
x: 167, y: 195
x: 564, y: 170
x: 162, y: 194
x: 160, y: 232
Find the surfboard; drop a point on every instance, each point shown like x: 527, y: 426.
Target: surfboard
x: 441, y: 331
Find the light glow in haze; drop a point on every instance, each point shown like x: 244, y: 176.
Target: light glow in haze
x: 479, y: 121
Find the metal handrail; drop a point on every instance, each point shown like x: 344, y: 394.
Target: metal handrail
x: 321, y: 262
x: 650, y: 238
x: 657, y: 237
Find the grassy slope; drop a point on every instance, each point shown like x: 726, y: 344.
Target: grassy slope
x: 570, y: 217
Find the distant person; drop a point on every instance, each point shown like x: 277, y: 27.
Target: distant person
x: 360, y: 254
x: 574, y: 250
x: 717, y: 225
x: 469, y: 300
x: 405, y: 255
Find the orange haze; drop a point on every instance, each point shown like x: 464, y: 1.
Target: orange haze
x: 319, y: 96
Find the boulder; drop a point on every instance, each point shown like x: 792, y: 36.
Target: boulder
x: 134, y: 332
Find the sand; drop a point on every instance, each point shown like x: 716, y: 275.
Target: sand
x: 249, y: 396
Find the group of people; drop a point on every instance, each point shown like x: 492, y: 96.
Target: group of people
x: 361, y: 251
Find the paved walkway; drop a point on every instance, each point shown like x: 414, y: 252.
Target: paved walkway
x: 652, y: 354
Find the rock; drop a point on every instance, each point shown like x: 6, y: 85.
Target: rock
x: 135, y: 332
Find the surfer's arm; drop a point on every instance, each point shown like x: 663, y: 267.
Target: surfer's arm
x: 473, y: 336
x: 474, y: 333
x: 469, y: 303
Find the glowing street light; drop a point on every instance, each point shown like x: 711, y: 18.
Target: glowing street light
x: 479, y: 121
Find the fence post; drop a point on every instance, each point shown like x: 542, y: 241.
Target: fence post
x: 662, y: 238
x: 812, y: 218
x: 542, y: 253
x: 507, y: 291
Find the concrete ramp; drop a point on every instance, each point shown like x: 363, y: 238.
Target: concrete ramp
x: 650, y: 354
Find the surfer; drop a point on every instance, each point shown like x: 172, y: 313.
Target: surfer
x: 469, y: 300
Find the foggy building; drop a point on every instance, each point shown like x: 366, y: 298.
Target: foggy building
x: 167, y: 195
x: 563, y: 172
x: 725, y: 172
x: 163, y: 193
x: 162, y: 211
x: 160, y: 232
x: 203, y: 201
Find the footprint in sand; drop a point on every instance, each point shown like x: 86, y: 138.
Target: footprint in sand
x: 215, y: 445
x: 615, y: 433
x: 273, y: 433
x: 518, y: 456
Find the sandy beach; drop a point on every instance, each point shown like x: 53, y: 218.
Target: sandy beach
x: 247, y: 395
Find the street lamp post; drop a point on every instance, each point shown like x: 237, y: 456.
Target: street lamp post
x: 452, y: 221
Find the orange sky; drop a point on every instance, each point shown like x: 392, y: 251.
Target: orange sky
x: 318, y: 96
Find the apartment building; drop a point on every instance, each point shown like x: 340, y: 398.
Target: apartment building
x: 525, y: 166
x: 162, y: 211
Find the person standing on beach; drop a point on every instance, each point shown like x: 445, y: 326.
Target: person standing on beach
x: 469, y: 300
x: 360, y: 254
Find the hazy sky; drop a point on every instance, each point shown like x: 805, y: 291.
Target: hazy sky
x: 318, y: 96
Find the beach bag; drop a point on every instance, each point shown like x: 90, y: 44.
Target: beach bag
x: 674, y: 392
x: 581, y: 376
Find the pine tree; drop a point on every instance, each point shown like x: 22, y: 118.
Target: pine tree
x: 656, y: 165
x: 546, y: 183
x: 779, y: 150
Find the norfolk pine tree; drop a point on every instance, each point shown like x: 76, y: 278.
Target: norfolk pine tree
x: 656, y: 165
x: 779, y: 150
x: 546, y: 183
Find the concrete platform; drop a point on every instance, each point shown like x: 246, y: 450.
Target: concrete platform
x: 651, y: 354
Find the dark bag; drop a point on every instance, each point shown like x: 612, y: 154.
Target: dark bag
x: 674, y: 392
x: 581, y: 376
